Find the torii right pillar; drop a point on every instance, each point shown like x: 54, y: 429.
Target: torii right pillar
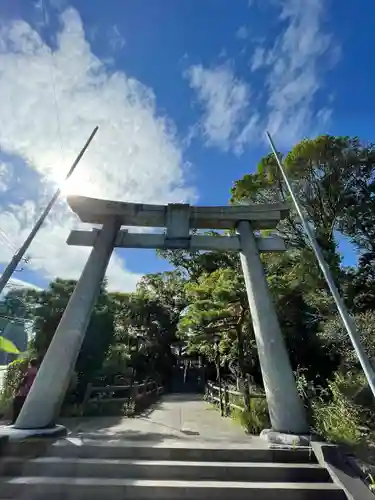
x: 285, y: 407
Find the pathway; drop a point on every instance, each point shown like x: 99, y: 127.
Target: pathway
x: 174, y: 417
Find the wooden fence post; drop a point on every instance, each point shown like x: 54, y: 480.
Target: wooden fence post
x: 86, y: 398
x: 221, y: 399
x: 246, y: 392
x: 226, y: 401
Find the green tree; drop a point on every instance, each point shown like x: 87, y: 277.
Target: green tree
x: 218, y: 307
x: 359, y: 284
x: 329, y: 174
x: 48, y: 310
x: 146, y: 321
x: 195, y: 263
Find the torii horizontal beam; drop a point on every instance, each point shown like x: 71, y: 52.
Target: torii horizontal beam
x: 125, y: 239
x: 97, y: 211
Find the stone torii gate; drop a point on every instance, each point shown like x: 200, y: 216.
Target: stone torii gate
x: 285, y: 407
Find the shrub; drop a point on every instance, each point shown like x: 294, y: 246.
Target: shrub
x: 336, y: 417
x: 12, y: 379
x: 254, y: 420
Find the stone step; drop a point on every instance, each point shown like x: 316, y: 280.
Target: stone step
x: 175, y: 450
x: 159, y: 469
x: 45, y: 488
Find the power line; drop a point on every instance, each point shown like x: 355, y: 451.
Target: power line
x: 17, y: 319
x: 7, y: 240
x: 16, y: 296
x: 18, y: 256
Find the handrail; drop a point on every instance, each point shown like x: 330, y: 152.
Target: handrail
x: 223, y: 398
x: 135, y: 392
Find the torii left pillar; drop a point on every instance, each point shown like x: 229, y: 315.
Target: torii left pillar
x: 44, y: 400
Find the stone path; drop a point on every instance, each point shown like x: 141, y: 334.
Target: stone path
x: 174, y: 417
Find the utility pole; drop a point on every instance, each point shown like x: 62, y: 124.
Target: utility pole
x: 345, y: 316
x: 17, y: 257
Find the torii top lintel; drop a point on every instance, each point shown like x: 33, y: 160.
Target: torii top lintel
x: 97, y: 211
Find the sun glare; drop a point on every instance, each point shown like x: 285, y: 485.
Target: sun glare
x: 79, y: 183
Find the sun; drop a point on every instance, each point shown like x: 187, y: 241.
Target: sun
x: 79, y: 183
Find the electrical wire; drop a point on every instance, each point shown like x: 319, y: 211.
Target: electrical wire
x: 14, y: 318
x: 7, y: 240
x: 16, y: 297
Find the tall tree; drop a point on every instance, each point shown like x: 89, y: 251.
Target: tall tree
x: 333, y: 179
x: 219, y: 308
x: 194, y: 263
x: 48, y: 310
x: 148, y: 321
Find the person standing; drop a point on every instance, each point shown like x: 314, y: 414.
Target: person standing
x: 24, y: 388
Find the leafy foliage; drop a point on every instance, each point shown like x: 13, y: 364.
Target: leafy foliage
x: 256, y: 418
x: 49, y: 305
x: 337, y: 417
x: 8, y: 346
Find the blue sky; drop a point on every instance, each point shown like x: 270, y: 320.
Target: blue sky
x: 182, y: 91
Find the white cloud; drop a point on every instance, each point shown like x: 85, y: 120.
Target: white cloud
x: 242, y: 33
x: 225, y: 100
x: 115, y: 38
x: 14, y: 283
x: 134, y: 157
x: 296, y: 71
x: 5, y: 176
x: 258, y: 59
x: 57, y: 4
x: 293, y: 71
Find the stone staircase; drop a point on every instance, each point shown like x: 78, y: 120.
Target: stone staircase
x: 95, y: 469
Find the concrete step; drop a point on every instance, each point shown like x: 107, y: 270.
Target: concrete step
x: 176, y: 450
x: 45, y: 488
x: 165, y: 469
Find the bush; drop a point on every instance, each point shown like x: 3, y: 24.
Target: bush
x: 13, y: 377
x: 254, y: 420
x: 336, y: 417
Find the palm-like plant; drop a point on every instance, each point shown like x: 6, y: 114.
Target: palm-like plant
x: 7, y: 346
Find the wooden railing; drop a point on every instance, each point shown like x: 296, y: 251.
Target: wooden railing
x: 220, y: 394
x: 120, y: 393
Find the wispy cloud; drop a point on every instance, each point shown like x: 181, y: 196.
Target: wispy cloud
x: 258, y: 59
x: 293, y: 65
x: 135, y: 157
x: 5, y: 176
x: 115, y: 38
x: 14, y: 283
x: 225, y: 100
x: 242, y: 33
x: 296, y: 66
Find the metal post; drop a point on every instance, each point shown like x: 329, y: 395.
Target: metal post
x: 284, y: 404
x: 346, y: 318
x: 17, y: 257
x: 43, y: 402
